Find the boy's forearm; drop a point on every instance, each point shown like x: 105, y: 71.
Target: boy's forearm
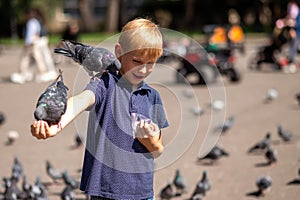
x: 75, y: 106
x: 154, y: 145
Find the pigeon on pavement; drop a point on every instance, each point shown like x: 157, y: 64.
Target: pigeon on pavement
x: 11, y: 190
x: 179, y: 183
x: 166, y: 192
x: 297, y: 96
x: 67, y: 193
x: 12, y: 137
x: 263, y: 184
x: 226, y: 125
x: 271, y: 156
x: 53, y: 173
x: 69, y: 180
x: 52, y: 103
x: 272, y: 94
x: 215, y: 154
x: 202, y: 187
x: 2, y: 118
x: 17, y: 169
x: 285, y: 135
x: 93, y: 59
x: 261, y: 145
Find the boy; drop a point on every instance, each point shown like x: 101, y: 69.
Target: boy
x: 125, y: 121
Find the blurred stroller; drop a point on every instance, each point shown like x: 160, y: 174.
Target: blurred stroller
x: 272, y: 54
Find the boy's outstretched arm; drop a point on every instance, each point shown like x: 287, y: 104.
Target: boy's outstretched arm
x: 75, y: 105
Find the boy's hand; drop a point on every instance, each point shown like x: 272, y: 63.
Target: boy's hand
x: 41, y: 130
x: 145, y: 129
x: 149, y: 135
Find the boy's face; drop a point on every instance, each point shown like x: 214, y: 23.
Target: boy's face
x: 136, y: 67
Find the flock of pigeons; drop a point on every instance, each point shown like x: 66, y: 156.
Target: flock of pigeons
x: 52, y: 104
x: 16, y: 187
x: 177, y: 187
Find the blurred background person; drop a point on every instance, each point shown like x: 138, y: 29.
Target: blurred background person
x: 43, y: 45
x: 32, y: 53
x: 71, y: 31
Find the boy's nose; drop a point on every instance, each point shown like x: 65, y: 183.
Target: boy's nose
x: 143, y: 69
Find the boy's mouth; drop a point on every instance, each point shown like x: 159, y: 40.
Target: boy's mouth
x: 138, y: 76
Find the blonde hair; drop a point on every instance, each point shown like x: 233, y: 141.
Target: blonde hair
x: 142, y: 35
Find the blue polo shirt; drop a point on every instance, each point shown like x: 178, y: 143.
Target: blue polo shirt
x: 116, y: 165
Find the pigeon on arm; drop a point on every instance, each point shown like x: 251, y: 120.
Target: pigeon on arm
x: 93, y: 59
x: 52, y: 103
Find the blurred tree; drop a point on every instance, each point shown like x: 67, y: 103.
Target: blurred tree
x: 189, y: 11
x: 86, y: 13
x: 112, y: 16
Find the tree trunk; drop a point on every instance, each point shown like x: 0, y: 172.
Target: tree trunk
x: 112, y: 16
x: 86, y: 13
x: 189, y: 11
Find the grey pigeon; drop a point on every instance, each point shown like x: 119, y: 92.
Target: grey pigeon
x: 263, y: 184
x: 2, y: 118
x: 202, y: 187
x: 53, y: 173
x: 272, y: 94
x: 226, y: 125
x: 67, y: 193
x: 69, y: 180
x: 271, y: 156
x: 93, y: 59
x: 78, y: 140
x: 214, y: 154
x: 17, y: 169
x: 297, y: 96
x: 11, y: 190
x: 179, y: 183
x: 261, y: 145
x: 52, y: 103
x: 285, y: 135
x: 167, y: 192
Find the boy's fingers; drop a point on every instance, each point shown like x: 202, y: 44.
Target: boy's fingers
x: 42, y: 132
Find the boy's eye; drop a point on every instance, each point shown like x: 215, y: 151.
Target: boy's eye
x: 136, y: 61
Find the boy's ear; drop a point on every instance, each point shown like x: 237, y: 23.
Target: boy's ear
x: 118, y: 50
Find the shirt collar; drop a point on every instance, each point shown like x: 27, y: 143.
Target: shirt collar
x: 124, y: 83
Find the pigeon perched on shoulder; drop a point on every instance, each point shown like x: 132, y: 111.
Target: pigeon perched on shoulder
x: 264, y: 184
x: 179, y: 183
x: 285, y: 135
x: 52, y: 103
x: 214, y: 154
x: 261, y: 145
x: 93, y: 59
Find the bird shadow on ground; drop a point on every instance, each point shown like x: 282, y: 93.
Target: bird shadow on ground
x: 262, y: 164
x: 256, y: 194
x: 207, y: 163
x: 294, y: 107
x: 294, y: 182
x: 49, y: 183
x: 5, y: 79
